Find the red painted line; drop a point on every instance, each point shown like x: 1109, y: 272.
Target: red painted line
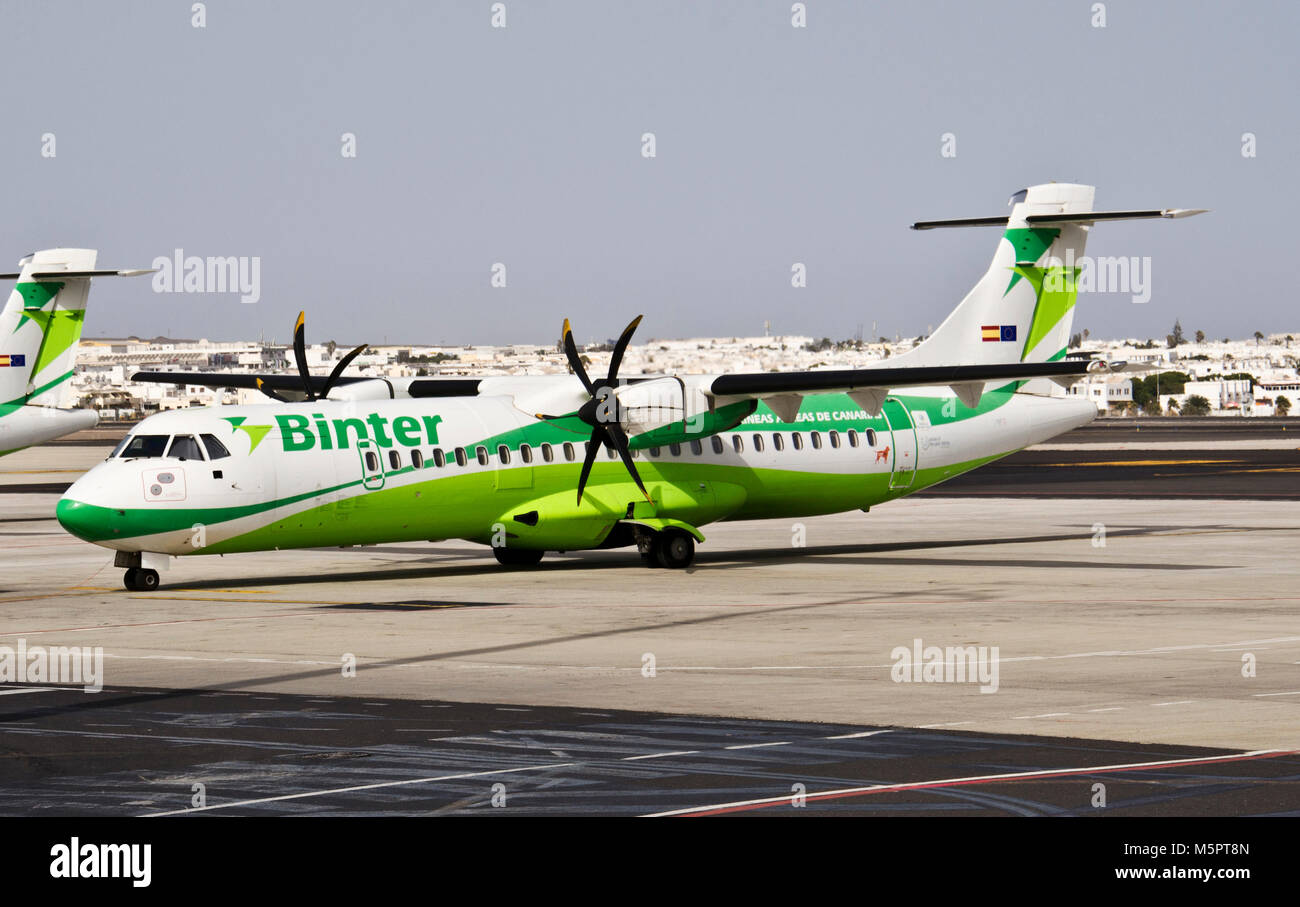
x: 968, y: 782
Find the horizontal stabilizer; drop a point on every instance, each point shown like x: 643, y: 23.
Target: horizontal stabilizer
x: 67, y: 275
x: 1089, y: 217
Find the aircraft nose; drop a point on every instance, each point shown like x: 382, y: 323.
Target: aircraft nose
x: 85, y: 521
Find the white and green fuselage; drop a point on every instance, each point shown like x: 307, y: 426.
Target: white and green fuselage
x: 356, y: 473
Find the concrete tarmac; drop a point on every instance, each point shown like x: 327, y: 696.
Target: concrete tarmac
x: 1160, y: 629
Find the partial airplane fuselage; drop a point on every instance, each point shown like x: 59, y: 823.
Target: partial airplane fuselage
x: 356, y: 473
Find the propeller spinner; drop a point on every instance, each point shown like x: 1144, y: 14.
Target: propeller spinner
x: 602, y: 411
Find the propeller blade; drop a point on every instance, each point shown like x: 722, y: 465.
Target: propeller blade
x: 575, y: 361
x: 300, y: 353
x: 619, y: 438
x: 619, y: 348
x: 261, y: 385
x: 338, y: 370
x: 593, y: 448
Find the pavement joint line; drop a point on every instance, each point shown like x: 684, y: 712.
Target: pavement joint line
x: 760, y: 803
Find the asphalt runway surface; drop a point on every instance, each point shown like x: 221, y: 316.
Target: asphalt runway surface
x: 125, y: 752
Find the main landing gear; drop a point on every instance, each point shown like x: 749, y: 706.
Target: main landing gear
x: 518, y: 557
x: 671, y: 548
x: 141, y: 579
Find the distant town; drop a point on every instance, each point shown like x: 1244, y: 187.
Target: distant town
x: 1191, y: 375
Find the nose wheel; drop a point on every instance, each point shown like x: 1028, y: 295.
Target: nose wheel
x: 141, y: 579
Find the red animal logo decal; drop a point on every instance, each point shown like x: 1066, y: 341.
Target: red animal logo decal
x: 882, y: 455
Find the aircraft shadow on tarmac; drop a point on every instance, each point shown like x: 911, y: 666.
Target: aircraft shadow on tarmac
x: 627, y: 559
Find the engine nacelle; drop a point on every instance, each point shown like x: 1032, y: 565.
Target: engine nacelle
x: 674, y: 409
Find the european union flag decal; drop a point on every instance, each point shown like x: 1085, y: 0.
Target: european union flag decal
x: 17, y: 360
x: 1008, y: 333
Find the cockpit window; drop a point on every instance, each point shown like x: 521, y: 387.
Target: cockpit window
x: 144, y: 446
x: 184, y: 447
x: 216, y: 450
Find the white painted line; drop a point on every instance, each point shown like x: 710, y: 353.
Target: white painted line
x: 943, y: 724
x: 345, y: 790
x: 1156, y: 705
x: 754, y: 746
x: 1292, y: 693
x: 1044, y: 715
x: 659, y: 755
x: 1114, y: 708
x: 18, y: 691
x: 973, y: 779
x: 856, y: 736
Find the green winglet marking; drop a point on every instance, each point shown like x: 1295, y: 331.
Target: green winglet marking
x: 1056, y: 289
x: 35, y: 296
x: 1030, y: 243
x: 255, y: 432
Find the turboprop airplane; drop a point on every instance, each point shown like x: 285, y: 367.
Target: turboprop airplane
x: 567, y: 462
x: 39, y: 330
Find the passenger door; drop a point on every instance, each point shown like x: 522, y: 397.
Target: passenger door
x: 903, y: 455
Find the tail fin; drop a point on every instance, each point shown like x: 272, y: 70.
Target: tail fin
x: 1023, y: 307
x: 41, y: 325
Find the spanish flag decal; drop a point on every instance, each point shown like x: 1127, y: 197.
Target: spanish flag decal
x: 998, y: 333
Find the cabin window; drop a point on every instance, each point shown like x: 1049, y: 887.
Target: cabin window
x: 778, y: 442
x: 417, y: 459
x: 548, y: 453
x: 758, y: 443
x: 525, y: 453
x: 835, y: 438
x: 568, y: 451
x: 696, y: 447
x: 216, y: 450
x: 611, y: 453
x: 853, y: 438
x: 717, y: 444
x: 184, y: 447
x: 654, y: 451
x: 372, y: 461
x: 738, y: 443
x: 816, y: 438
x: 439, y: 458
x: 797, y: 440
x: 871, y: 437
x: 461, y: 459
x: 481, y: 454
x: 394, y: 459
x: 675, y: 449
x: 504, y: 453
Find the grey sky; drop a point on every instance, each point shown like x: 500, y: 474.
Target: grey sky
x: 522, y: 145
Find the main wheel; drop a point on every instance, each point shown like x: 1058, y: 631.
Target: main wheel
x: 518, y: 557
x: 146, y: 580
x: 676, y: 549
x: 130, y: 578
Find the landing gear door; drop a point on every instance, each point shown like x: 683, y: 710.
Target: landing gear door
x: 902, y: 432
